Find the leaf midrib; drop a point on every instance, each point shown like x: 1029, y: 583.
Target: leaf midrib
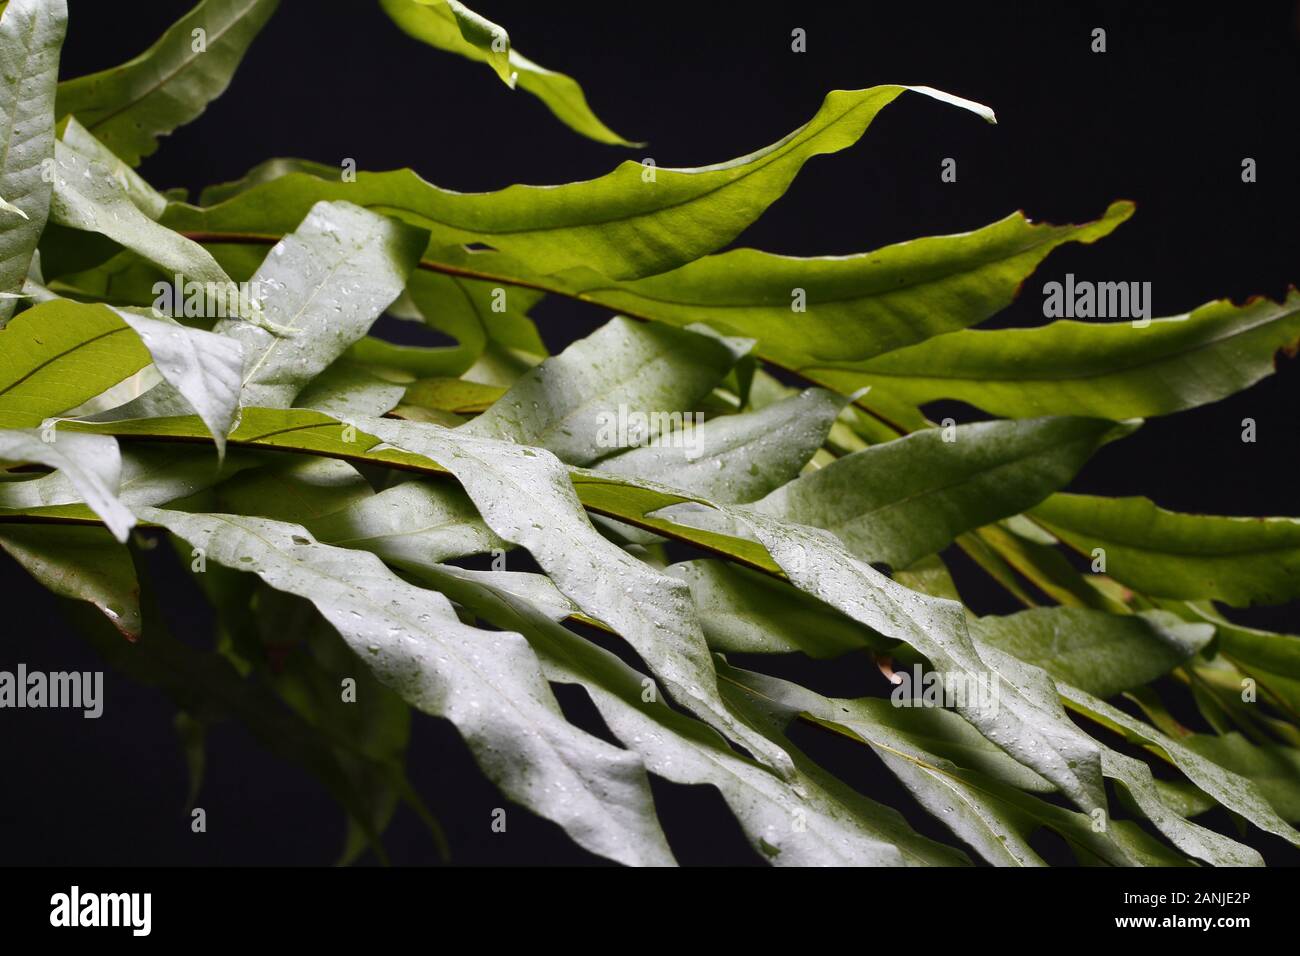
x: 61, y: 355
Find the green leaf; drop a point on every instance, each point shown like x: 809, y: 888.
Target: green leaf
x: 525, y: 497
x: 451, y: 26
x: 325, y: 285
x: 1274, y: 770
x: 626, y: 500
x: 1104, y: 654
x: 346, y: 388
x: 31, y: 35
x: 80, y: 140
x: 90, y: 462
x: 899, y: 501
x: 581, y: 403
x: 955, y: 773
x: 1272, y: 659
x: 632, y: 501
x: 1027, y: 728
x: 736, y: 458
x: 286, y: 429
x: 1041, y: 562
x: 745, y: 612
x: 472, y: 312
x: 1154, y: 802
x: 60, y: 354
x: 851, y: 308
x: 622, y: 225
x: 965, y: 284
x: 410, y: 524
x: 303, y: 430
x: 1102, y: 369
x: 452, y: 395
x: 488, y: 683
x: 929, y: 576
x: 123, y: 279
x: 203, y: 367
x: 150, y: 476
x: 292, y: 488
x: 128, y: 107
x: 809, y: 820
x: 89, y: 196
x: 50, y: 368
x: 1240, y: 561
x: 969, y: 283
x: 991, y: 562
x: 264, y: 172
x: 416, y: 360
x: 589, y: 566
x: 85, y: 564
x: 1136, y: 777
x: 1235, y: 792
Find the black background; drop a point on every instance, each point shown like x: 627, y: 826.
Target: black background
x: 1164, y: 117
